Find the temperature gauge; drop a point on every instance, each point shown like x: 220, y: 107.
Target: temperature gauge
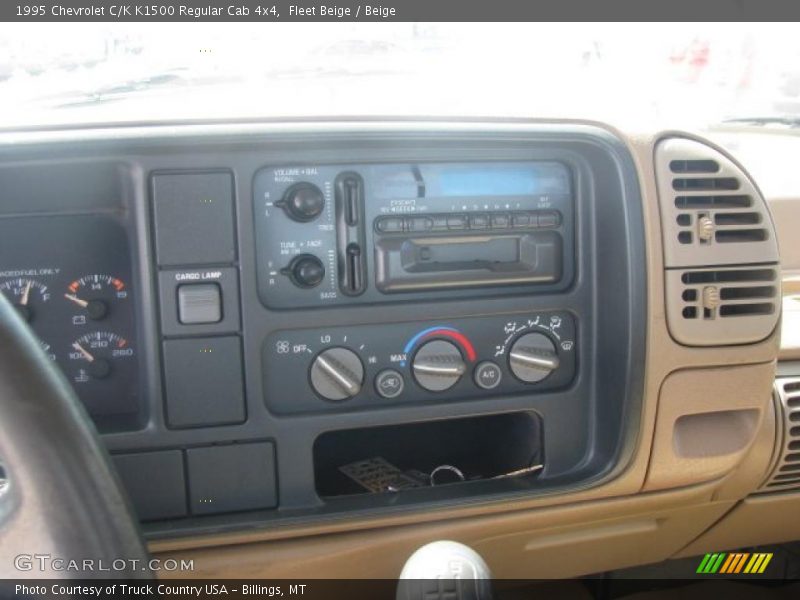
x: 102, y: 367
x: 99, y: 355
x: 27, y: 295
x: 96, y: 294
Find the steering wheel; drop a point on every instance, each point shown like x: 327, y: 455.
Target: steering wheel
x: 61, y: 500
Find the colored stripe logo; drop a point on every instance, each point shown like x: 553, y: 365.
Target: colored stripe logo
x: 734, y: 563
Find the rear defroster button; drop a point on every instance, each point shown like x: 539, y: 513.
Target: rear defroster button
x: 389, y: 383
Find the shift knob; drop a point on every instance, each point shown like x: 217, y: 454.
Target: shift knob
x: 445, y: 570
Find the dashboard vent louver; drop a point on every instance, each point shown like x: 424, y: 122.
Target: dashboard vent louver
x: 710, y: 208
x: 729, y: 293
x: 719, y: 306
x: 720, y: 251
x: 786, y: 471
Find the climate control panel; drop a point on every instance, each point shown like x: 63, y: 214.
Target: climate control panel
x: 362, y: 367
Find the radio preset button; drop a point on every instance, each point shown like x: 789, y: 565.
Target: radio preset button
x: 390, y: 224
x: 457, y: 222
x: 549, y: 219
x: 500, y: 221
x: 440, y: 222
x: 419, y: 223
x: 521, y: 220
x: 479, y: 221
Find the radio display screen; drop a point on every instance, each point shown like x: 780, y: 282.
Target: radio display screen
x: 458, y: 180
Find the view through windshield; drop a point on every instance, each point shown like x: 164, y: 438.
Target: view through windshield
x: 684, y: 74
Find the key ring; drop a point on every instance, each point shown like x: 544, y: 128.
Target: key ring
x: 448, y: 468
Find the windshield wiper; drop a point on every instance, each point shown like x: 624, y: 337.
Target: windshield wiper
x: 787, y: 121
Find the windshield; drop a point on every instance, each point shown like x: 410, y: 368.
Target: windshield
x: 687, y: 75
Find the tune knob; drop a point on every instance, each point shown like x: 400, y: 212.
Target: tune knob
x: 305, y: 271
x: 533, y: 357
x: 302, y: 202
x: 337, y: 374
x: 438, y: 365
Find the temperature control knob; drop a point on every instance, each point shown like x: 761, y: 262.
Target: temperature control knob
x: 337, y: 374
x: 303, y: 202
x: 438, y: 365
x: 533, y: 357
x: 305, y: 271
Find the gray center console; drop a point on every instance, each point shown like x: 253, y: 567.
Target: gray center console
x: 364, y: 321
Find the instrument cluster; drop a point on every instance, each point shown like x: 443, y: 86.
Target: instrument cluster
x: 69, y: 277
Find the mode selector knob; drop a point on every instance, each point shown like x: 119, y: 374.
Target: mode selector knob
x: 533, y: 357
x: 337, y: 374
x: 305, y: 271
x: 302, y: 202
x: 438, y: 365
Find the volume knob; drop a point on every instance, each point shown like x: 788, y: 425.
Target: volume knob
x: 302, y: 202
x: 337, y: 374
x: 438, y: 365
x: 533, y: 357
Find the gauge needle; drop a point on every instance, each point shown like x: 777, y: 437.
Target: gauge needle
x: 26, y: 294
x: 76, y: 300
x: 83, y: 351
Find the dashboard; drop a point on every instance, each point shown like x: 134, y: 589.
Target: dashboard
x: 285, y: 326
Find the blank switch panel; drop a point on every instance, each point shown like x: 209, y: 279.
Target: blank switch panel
x: 193, y: 217
x: 231, y: 478
x: 203, y: 380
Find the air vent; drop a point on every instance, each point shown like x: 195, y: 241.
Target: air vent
x: 720, y: 253
x: 694, y: 166
x: 786, y: 472
x: 712, y: 212
x: 721, y: 306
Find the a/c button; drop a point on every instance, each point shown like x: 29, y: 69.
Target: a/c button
x: 488, y: 375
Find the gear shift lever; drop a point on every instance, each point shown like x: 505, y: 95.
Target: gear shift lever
x: 445, y: 571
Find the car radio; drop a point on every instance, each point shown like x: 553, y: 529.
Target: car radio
x: 341, y: 234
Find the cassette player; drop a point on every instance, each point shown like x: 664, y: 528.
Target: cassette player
x: 334, y: 234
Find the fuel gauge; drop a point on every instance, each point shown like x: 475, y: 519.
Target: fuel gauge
x: 27, y: 295
x: 48, y: 350
x: 96, y: 294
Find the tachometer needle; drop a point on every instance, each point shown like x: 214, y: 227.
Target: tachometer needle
x: 83, y: 351
x: 76, y: 300
x: 26, y: 294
